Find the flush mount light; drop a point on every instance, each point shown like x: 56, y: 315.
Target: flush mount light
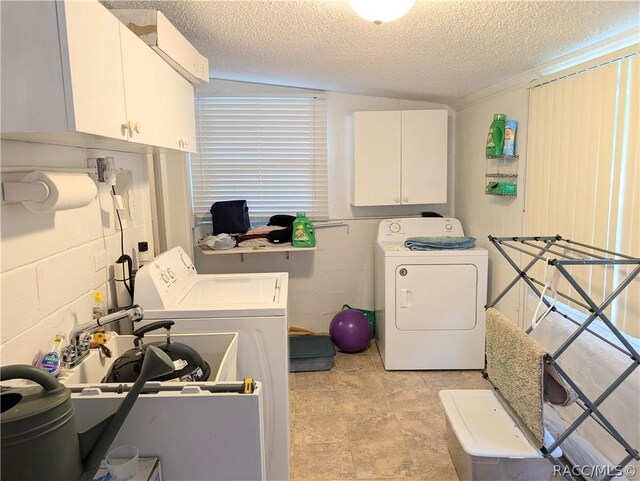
x: 381, y: 11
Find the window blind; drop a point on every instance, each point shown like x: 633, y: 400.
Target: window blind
x: 583, y: 173
x: 269, y: 150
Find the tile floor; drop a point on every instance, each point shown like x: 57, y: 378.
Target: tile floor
x: 359, y: 421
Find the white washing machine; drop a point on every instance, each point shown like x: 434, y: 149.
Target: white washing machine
x: 255, y: 306
x: 429, y: 304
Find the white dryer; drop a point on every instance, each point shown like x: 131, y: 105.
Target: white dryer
x: 255, y: 306
x: 429, y: 304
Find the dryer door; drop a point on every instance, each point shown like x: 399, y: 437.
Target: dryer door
x: 436, y: 297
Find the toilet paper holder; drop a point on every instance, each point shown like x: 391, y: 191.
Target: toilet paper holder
x: 42, y: 192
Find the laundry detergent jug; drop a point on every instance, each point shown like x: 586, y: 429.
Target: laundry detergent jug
x: 303, y: 232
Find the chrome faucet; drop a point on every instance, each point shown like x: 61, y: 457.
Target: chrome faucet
x: 80, y: 337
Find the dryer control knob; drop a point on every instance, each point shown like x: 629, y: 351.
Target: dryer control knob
x: 394, y: 227
x: 448, y: 227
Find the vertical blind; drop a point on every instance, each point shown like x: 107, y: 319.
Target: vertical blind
x: 269, y: 150
x: 583, y: 178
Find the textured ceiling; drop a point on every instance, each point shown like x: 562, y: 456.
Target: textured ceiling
x: 440, y: 51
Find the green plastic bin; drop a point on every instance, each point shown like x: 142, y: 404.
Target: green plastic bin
x: 370, y: 315
x: 310, y: 353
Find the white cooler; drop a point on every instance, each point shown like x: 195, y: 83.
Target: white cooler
x: 485, y: 443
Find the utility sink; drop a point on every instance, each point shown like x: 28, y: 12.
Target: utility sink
x: 219, y: 349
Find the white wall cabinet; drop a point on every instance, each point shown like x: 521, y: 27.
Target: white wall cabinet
x: 399, y: 157
x: 175, y: 103
x: 88, y: 79
x: 140, y: 89
x: 95, y: 100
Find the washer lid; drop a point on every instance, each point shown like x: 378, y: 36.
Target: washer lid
x: 228, y: 295
x: 170, y: 286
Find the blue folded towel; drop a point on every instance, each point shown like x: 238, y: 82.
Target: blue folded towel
x: 442, y: 242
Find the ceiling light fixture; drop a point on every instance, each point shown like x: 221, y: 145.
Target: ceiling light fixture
x: 381, y: 11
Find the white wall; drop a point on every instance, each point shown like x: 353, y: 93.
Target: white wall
x: 483, y: 214
x: 48, y: 273
x: 341, y: 270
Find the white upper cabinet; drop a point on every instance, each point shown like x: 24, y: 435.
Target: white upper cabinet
x: 140, y: 89
x: 377, y: 158
x: 186, y: 114
x: 95, y: 100
x: 175, y: 103
x: 424, y: 157
x: 78, y: 76
x: 400, y: 157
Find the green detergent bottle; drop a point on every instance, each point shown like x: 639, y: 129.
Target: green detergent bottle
x: 495, y: 139
x: 303, y: 232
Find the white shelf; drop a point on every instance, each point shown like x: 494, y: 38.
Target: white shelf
x: 258, y: 250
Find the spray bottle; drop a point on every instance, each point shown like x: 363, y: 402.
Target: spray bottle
x: 51, y: 361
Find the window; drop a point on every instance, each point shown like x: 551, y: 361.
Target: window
x: 270, y: 150
x: 583, y: 177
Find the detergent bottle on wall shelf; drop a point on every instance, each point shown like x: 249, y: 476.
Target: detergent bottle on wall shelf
x: 511, y: 126
x: 303, y: 232
x: 495, y: 139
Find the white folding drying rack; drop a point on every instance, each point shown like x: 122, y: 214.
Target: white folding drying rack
x: 563, y: 254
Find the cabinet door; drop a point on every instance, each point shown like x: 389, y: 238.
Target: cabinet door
x: 424, y: 156
x: 140, y: 88
x: 376, y: 158
x: 175, y: 109
x: 186, y: 114
x: 90, y: 41
x: 31, y: 83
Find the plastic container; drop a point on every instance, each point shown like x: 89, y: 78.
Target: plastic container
x: 122, y: 462
x: 484, y: 442
x: 303, y: 232
x: 511, y: 126
x: 495, y: 139
x: 51, y: 361
x: 99, y: 305
x: 501, y: 188
x: 310, y: 353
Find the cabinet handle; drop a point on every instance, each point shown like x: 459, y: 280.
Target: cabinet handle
x: 405, y: 199
x: 137, y: 127
x: 396, y: 200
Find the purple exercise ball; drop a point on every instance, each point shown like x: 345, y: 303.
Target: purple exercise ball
x: 350, y: 331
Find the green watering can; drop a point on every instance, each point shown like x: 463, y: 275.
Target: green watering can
x: 39, y: 438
